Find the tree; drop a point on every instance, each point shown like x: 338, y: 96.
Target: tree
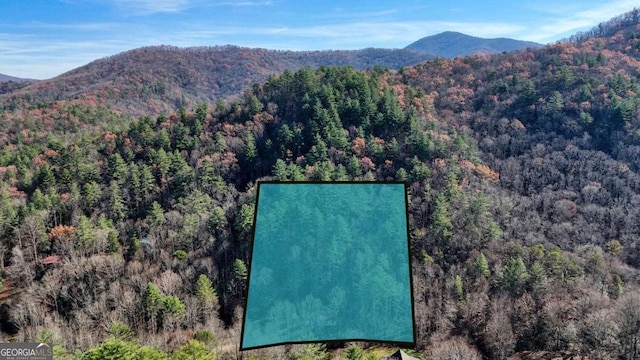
x: 112, y: 241
x: 173, y: 306
x: 311, y: 352
x: 134, y: 248
x: 85, y: 232
x: 498, y: 334
x: 155, y: 215
x: 120, y: 331
x: 205, y: 292
x: 618, y: 286
x: 481, y: 266
x: 354, y: 352
x: 353, y: 167
x: 614, y: 248
x: 295, y: 172
x: 250, y: 150
x: 537, y: 278
x: 152, y: 302
x: 116, y: 349
x: 218, y: 219
x: 514, y: 276
x: 441, y: 223
x: 240, y: 270
x: 91, y: 193
x: 115, y: 203
x: 629, y: 322
x: 245, y: 220
x: 193, y: 350
x: 554, y: 105
x: 280, y: 170
x: 401, y: 175
x: 118, y: 169
x: 33, y: 229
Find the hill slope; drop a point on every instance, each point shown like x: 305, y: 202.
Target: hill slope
x: 162, y: 79
x: 450, y: 44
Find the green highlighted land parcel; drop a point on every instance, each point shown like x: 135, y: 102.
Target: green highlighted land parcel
x: 330, y: 262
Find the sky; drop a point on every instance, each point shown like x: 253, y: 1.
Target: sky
x: 41, y: 39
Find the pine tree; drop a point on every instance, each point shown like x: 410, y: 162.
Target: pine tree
x: 85, y: 232
x: 441, y: 225
x: 91, y: 193
x: 155, y: 215
x: 115, y: 204
x: 152, y: 302
x: 537, y: 278
x: 118, y: 169
x: 481, y: 266
x: 280, y: 170
x: 193, y: 350
x: 147, y: 182
x: 204, y: 290
x: 240, y: 270
x: 514, y: 276
x: 250, y: 149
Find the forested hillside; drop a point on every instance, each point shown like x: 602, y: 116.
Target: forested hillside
x: 124, y: 236
x: 162, y: 79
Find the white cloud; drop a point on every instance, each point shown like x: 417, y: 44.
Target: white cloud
x: 353, y: 35
x: 563, y: 22
x: 245, y: 3
x: 352, y: 15
x: 148, y: 7
x: 42, y: 57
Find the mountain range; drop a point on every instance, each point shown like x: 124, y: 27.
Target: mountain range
x: 164, y: 78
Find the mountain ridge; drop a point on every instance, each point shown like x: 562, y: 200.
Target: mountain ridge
x: 5, y: 77
x: 450, y: 44
x: 166, y: 77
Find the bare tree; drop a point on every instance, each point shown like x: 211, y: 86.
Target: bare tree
x: 454, y: 348
x: 629, y: 322
x: 33, y: 230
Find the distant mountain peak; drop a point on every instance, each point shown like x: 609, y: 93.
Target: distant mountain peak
x: 450, y: 44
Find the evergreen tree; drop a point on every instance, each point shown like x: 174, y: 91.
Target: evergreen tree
x: 193, y: 350
x: 155, y: 215
x: 115, y: 203
x: 280, y: 170
x: 481, y: 266
x: 152, y: 302
x: 118, y: 169
x: 91, y: 194
x: 240, y: 270
x: 85, y: 232
x: 514, y: 276
x: 204, y: 290
x: 441, y: 224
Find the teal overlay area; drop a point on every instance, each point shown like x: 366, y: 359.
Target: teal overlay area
x: 330, y: 261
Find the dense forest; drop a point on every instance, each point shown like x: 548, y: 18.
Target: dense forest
x: 123, y: 236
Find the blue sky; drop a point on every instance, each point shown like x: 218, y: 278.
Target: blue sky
x: 44, y: 38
